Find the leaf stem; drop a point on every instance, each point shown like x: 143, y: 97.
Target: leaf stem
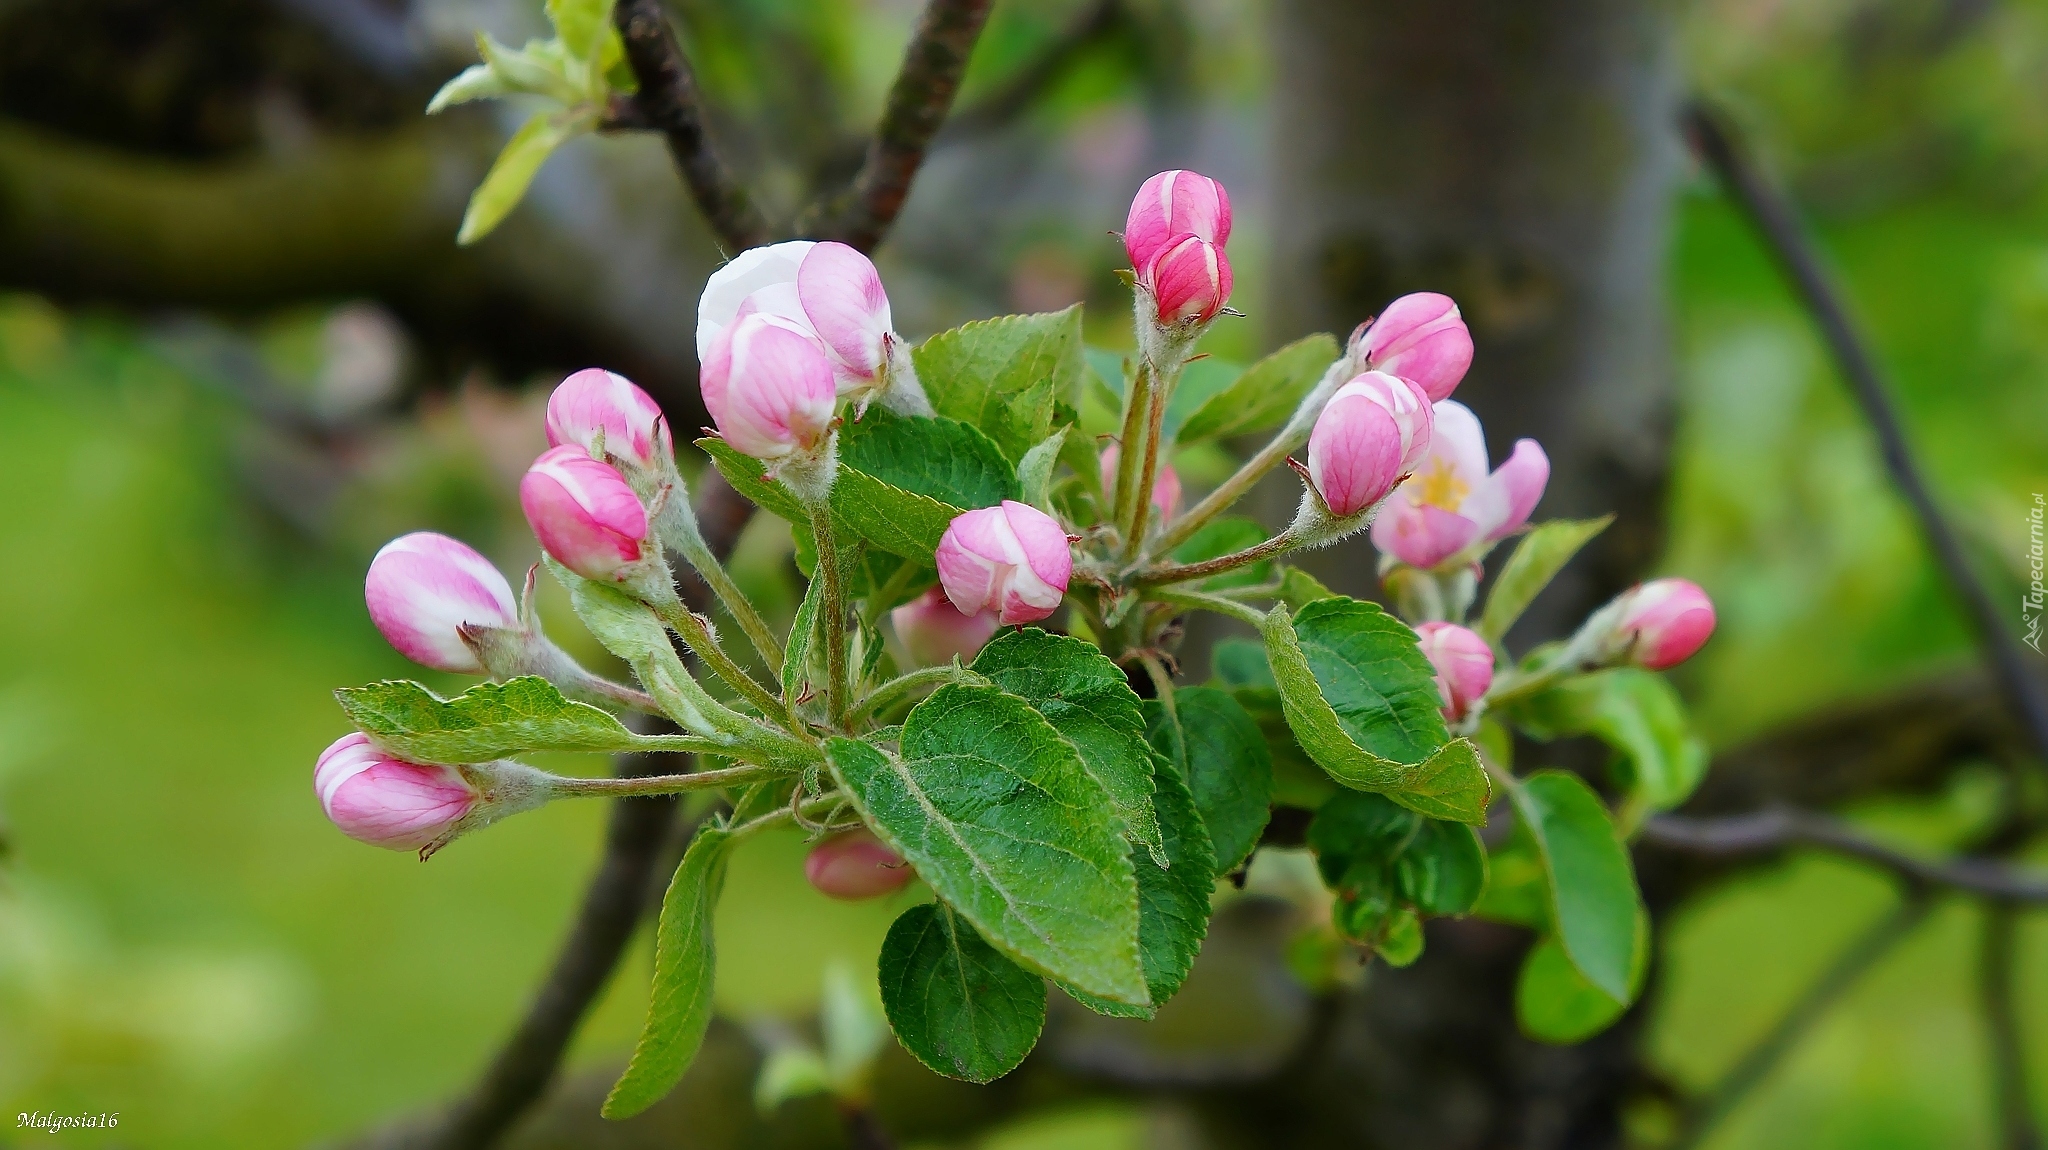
x: 659, y: 784
x: 1148, y: 459
x: 684, y: 537
x: 1182, y: 572
x: 821, y: 804
x: 1162, y: 682
x: 1137, y: 401
x: 1202, y: 602
x: 697, y: 636
x: 903, y: 686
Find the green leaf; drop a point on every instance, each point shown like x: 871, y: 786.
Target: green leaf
x: 630, y: 629
x: 1636, y: 712
x: 1361, y: 698
x: 580, y: 24
x: 941, y: 459
x: 1298, y: 589
x: 1003, y: 375
x: 796, y: 655
x: 1224, y: 536
x: 1087, y: 700
x: 513, y: 170
x: 1240, y: 663
x: 957, y: 1004
x: 748, y: 477
x: 1388, y: 866
x: 1443, y: 869
x: 1554, y: 1002
x: 488, y: 721
x: 476, y: 82
x: 897, y: 521
x: 1517, y: 890
x: 1201, y: 380
x: 1265, y: 395
x: 684, y: 963
x: 1542, y: 553
x: 1215, y: 745
x: 1593, y: 900
x: 1000, y: 816
x: 1034, y: 471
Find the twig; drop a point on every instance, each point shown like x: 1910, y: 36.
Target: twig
x: 1777, y: 829
x: 1715, y: 141
x: 917, y: 106
x: 1995, y: 972
x: 669, y: 103
x: 1025, y: 85
x: 1756, y: 1065
x: 612, y: 905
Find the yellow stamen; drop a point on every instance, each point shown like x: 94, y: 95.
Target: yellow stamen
x: 1439, y: 486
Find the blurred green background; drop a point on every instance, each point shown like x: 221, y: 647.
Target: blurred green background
x: 185, y: 940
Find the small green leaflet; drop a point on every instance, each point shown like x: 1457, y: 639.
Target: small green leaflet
x: 489, y: 721
x: 1265, y: 395
x: 1636, y: 712
x: 684, y: 968
x: 1000, y: 816
x: 748, y: 477
x: 630, y: 629
x: 1362, y: 700
x: 1542, y: 553
x: 1298, y: 589
x: 1087, y: 700
x: 1385, y: 862
x: 1554, y: 1002
x: 1003, y: 375
x: 1215, y: 746
x: 1034, y: 471
x: 1593, y: 900
x: 506, y: 183
x: 796, y: 656
x: 957, y: 1004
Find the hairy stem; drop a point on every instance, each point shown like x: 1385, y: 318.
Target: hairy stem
x: 660, y: 784
x: 1137, y: 400
x: 1201, y: 602
x: 1182, y: 572
x: 887, y: 695
x: 696, y: 635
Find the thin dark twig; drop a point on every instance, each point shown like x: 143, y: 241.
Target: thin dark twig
x: 1775, y: 830
x: 1714, y: 139
x: 1091, y: 24
x: 669, y: 103
x: 619, y: 893
x: 918, y: 102
x: 1761, y: 1059
x: 1999, y: 1002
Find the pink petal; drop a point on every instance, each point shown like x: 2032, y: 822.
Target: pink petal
x: 739, y: 278
x: 1421, y: 535
x: 422, y: 586
x: 843, y: 297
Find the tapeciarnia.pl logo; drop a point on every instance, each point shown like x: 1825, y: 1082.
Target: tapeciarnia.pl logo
x: 2032, y: 602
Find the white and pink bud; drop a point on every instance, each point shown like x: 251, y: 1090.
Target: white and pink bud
x: 583, y: 512
x: 387, y: 802
x: 1451, y: 504
x: 1172, y: 204
x: 1013, y: 560
x: 1166, y: 490
x: 935, y: 632
x: 1421, y: 338
x: 423, y: 588
x: 856, y: 865
x: 1659, y: 624
x: 593, y: 403
x: 1189, y: 280
x: 825, y: 290
x: 1356, y: 451
x: 769, y: 387
x: 1463, y: 662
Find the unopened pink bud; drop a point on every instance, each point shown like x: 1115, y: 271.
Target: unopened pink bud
x: 1013, y: 560
x: 1189, y: 279
x: 1172, y: 203
x: 594, y: 400
x: 842, y: 297
x: 1354, y: 454
x: 385, y: 801
x: 1423, y: 338
x: 1165, y: 486
x: 1404, y: 402
x: 768, y: 386
x: 766, y: 276
x: 934, y: 631
x: 423, y: 587
x: 1463, y: 662
x: 856, y: 865
x: 583, y: 512
x: 1452, y: 502
x: 1664, y: 621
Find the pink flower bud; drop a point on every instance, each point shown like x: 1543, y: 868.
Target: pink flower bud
x: 1012, y: 560
x: 1172, y: 203
x: 1354, y: 454
x: 934, y: 631
x: 856, y: 865
x: 1189, y: 279
x: 1165, y: 485
x: 1421, y: 337
x: 594, y: 400
x: 842, y: 297
x: 1451, y: 503
x: 422, y: 587
x: 768, y: 387
x: 1463, y: 662
x: 583, y: 512
x: 1664, y: 621
x: 388, y: 802
x: 1404, y: 402
x: 743, y: 278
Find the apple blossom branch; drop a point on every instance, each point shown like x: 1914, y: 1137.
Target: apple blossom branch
x: 1775, y: 830
x: 1718, y: 145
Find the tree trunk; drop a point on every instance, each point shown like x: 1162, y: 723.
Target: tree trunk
x: 1521, y: 158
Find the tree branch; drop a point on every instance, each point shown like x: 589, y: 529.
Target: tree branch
x: 1995, y: 978
x: 918, y: 102
x: 669, y: 103
x: 1089, y: 26
x: 612, y: 906
x: 1775, y: 830
x: 1714, y: 139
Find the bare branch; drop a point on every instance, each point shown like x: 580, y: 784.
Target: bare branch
x: 918, y: 103
x: 1995, y: 975
x: 1090, y: 25
x: 1714, y: 139
x: 669, y: 103
x: 1775, y: 830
